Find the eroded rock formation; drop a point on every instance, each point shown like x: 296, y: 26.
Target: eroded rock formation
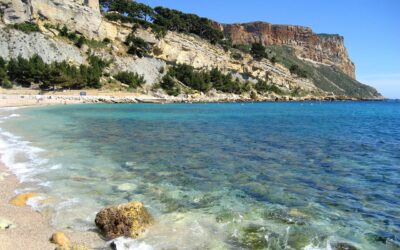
x: 322, y: 48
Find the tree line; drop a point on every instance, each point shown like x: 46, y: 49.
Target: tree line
x: 55, y: 75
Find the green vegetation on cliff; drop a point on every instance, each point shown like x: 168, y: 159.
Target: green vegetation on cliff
x: 161, y: 19
x: 134, y: 80
x: 26, y: 27
x: 204, y: 81
x: 327, y: 78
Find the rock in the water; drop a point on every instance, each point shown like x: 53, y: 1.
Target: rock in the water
x: 130, y: 220
x: 60, y: 239
x: 21, y: 199
x: 126, y: 187
x: 344, y: 246
x: 6, y: 224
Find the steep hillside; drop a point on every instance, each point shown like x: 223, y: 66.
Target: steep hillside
x: 256, y: 60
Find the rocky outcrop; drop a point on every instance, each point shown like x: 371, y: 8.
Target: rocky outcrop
x: 182, y: 48
x: 14, y: 43
x: 129, y: 220
x: 322, y: 48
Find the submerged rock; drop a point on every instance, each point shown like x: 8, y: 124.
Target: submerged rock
x: 21, y: 199
x: 343, y: 246
x: 256, y: 237
x: 126, y: 187
x: 130, y: 220
x: 6, y: 224
x: 60, y: 239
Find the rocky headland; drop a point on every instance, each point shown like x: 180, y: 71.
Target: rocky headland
x: 298, y: 62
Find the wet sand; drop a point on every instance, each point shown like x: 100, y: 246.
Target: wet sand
x: 31, y: 229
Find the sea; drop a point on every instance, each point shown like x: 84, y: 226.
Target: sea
x: 296, y: 175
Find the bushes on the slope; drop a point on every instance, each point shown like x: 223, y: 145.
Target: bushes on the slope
x: 169, y: 85
x: 258, y: 51
x: 263, y: 87
x: 26, y: 27
x: 137, y: 46
x: 161, y: 19
x: 206, y: 80
x: 78, y: 39
x: 295, y: 69
x: 134, y: 80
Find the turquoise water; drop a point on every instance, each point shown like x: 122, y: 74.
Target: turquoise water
x: 218, y: 176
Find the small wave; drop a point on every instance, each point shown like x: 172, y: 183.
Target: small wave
x: 20, y: 157
x: 124, y: 243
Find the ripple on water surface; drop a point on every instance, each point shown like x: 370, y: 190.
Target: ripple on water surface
x: 218, y: 176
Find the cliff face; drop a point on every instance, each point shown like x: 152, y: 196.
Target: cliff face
x: 84, y: 17
x: 327, y: 49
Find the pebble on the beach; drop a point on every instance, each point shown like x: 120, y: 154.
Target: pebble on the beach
x: 21, y: 199
x: 60, y: 239
x: 6, y: 224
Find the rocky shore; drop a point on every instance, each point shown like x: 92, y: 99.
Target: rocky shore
x: 15, y: 100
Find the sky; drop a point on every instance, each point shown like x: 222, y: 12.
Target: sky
x: 371, y: 28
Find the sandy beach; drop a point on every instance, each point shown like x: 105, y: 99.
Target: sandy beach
x: 26, y: 228
x: 32, y: 230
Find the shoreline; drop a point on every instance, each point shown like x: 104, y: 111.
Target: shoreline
x: 27, y: 227
x: 18, y: 98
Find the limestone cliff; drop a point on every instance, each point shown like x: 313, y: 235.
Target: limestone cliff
x: 322, y: 48
x: 321, y: 54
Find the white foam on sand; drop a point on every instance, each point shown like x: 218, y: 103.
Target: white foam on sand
x: 20, y: 156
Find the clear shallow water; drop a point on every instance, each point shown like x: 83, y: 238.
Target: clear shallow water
x: 218, y: 176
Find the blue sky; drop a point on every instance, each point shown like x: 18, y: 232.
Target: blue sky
x: 371, y: 28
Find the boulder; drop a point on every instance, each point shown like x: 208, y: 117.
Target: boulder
x: 21, y: 199
x: 130, y: 220
x: 60, y: 239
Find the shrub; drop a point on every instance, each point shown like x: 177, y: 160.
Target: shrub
x: 169, y: 85
x: 258, y: 51
x: 263, y: 87
x: 237, y: 56
x: 26, y: 27
x: 81, y: 40
x: 137, y: 46
x: 134, y: 80
x: 295, y: 69
x: 194, y: 79
x: 7, y: 84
